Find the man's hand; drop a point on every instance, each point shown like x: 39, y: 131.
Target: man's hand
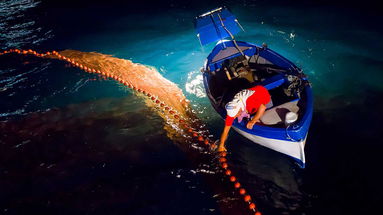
x: 221, y: 149
x: 260, y: 112
x: 250, y: 125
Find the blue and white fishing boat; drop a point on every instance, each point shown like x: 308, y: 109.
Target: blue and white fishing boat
x: 234, y: 65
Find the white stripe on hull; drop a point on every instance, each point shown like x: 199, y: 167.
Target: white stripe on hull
x: 293, y: 149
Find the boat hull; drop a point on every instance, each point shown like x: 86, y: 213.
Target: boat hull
x: 293, y: 149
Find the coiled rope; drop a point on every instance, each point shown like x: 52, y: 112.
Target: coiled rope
x: 194, y: 133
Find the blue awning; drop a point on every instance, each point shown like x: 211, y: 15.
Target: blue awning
x: 209, y: 26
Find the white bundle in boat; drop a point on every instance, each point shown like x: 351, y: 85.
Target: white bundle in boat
x: 278, y: 114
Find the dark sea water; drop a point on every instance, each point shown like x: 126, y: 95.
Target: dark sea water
x: 75, y: 143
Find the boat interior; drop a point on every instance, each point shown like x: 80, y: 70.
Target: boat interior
x: 243, y: 72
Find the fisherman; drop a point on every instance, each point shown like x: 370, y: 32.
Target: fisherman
x: 246, y: 103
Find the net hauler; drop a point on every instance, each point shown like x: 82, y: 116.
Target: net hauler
x: 235, y: 65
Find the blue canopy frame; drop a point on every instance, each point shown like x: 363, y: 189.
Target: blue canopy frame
x: 216, y: 25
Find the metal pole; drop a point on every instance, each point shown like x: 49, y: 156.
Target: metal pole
x: 231, y: 35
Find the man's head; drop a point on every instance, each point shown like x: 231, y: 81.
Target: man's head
x: 234, y: 107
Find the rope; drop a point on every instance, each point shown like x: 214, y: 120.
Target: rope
x: 193, y: 133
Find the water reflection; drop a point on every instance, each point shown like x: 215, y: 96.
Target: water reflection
x: 18, y: 27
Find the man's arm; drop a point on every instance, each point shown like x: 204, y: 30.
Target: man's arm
x: 258, y: 115
x: 224, y: 135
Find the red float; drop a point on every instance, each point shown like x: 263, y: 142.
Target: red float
x: 237, y: 185
x: 242, y: 191
x: 252, y: 206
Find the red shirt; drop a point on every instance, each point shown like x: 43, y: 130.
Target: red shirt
x: 260, y: 96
